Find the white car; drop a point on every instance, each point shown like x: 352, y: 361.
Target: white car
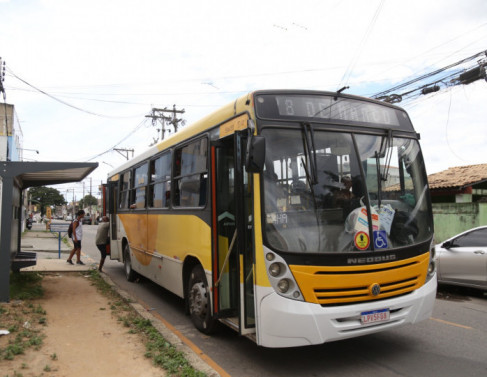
x: 462, y: 259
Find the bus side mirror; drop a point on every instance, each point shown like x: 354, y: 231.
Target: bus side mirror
x: 255, y: 157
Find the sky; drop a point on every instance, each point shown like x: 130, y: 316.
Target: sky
x: 83, y: 75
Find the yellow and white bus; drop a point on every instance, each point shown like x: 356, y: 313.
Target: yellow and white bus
x: 295, y: 217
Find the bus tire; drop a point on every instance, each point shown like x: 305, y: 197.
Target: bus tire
x: 199, y: 301
x: 130, y: 274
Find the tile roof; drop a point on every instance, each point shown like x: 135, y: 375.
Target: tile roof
x: 459, y: 176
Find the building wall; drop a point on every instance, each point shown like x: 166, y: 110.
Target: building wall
x: 453, y: 218
x: 10, y: 133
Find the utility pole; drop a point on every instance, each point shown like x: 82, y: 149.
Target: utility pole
x: 158, y: 115
x: 2, y: 90
x: 91, y: 205
x: 74, y: 201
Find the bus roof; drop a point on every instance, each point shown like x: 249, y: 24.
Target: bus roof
x: 240, y: 105
x: 209, y: 121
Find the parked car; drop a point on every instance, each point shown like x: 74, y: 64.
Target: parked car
x: 462, y: 259
x: 86, y: 220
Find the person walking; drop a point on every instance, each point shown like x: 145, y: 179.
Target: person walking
x: 102, y: 240
x: 77, y: 236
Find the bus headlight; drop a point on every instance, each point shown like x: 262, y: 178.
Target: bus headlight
x: 283, y: 285
x: 432, y: 264
x: 275, y: 269
x: 281, y: 277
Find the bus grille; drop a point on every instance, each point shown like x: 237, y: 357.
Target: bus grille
x: 354, y: 284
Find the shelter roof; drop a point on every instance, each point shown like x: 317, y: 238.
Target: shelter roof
x: 31, y: 174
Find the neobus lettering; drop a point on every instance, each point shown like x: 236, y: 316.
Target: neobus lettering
x: 377, y: 259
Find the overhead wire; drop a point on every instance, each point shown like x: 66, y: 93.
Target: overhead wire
x: 428, y: 75
x: 422, y: 54
x: 353, y: 62
x: 119, y: 142
x: 64, y: 102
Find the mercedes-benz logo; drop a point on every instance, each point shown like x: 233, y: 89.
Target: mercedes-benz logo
x: 375, y: 289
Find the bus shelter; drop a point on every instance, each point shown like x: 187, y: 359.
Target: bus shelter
x: 16, y: 176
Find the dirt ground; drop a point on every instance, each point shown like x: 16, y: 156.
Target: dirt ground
x: 83, y: 338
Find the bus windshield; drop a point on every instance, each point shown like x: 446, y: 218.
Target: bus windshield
x: 325, y: 191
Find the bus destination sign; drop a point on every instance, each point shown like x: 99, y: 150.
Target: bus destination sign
x: 327, y: 108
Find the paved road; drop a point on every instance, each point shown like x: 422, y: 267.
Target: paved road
x: 452, y: 343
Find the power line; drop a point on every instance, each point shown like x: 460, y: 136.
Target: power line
x: 120, y: 142
x: 461, y: 76
x: 60, y: 100
x: 351, y: 66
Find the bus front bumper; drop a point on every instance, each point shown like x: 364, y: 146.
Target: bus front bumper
x: 288, y: 323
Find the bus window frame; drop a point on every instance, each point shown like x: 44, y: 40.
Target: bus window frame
x: 152, y: 183
x: 136, y: 187
x: 121, y: 191
x: 177, y: 178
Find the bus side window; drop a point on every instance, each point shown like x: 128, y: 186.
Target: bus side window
x: 140, y: 185
x: 190, y: 174
x: 160, y: 184
x: 125, y: 190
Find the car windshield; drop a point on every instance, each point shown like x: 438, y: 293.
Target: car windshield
x: 326, y: 191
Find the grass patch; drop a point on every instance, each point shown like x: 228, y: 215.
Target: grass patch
x: 66, y: 241
x: 23, y: 319
x: 25, y: 286
x: 162, y: 353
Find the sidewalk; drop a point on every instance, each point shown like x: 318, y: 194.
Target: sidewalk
x: 51, y: 254
x: 46, y: 246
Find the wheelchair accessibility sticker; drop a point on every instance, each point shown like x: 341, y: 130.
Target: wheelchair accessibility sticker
x: 362, y: 241
x: 380, y: 239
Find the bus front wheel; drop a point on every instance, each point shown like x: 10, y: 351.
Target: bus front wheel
x: 127, y: 263
x: 199, y: 301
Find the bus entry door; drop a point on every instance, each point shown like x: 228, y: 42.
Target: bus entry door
x: 110, y: 205
x: 232, y: 256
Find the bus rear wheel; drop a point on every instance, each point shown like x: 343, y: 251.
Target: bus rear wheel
x: 130, y: 274
x: 199, y: 301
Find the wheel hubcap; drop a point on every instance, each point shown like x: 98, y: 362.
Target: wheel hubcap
x: 198, y: 299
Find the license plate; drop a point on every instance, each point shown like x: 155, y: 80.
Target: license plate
x: 375, y: 316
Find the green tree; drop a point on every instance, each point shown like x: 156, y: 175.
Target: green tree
x: 88, y: 200
x: 46, y: 197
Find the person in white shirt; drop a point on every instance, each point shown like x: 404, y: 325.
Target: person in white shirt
x: 77, y: 236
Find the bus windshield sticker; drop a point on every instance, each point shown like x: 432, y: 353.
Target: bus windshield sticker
x: 386, y: 216
x: 362, y: 241
x: 380, y: 239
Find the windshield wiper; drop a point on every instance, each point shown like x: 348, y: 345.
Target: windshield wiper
x: 310, y: 151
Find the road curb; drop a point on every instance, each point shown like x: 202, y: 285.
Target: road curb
x: 193, y: 358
